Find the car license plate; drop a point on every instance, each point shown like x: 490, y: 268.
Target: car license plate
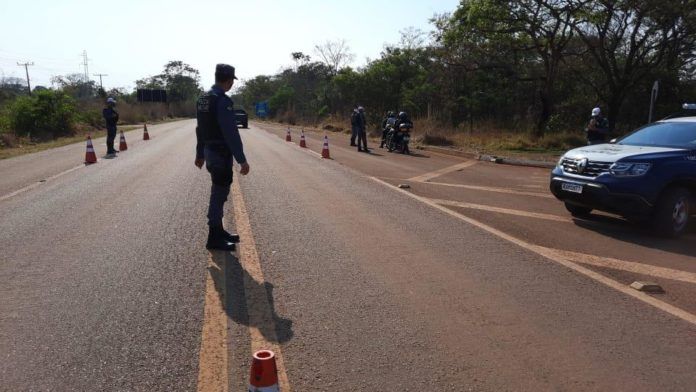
x: 575, y: 188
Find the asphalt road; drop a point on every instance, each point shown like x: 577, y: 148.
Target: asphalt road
x: 472, y: 279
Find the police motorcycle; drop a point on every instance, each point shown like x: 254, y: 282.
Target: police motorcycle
x: 398, y: 139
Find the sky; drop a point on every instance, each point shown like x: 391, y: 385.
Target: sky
x: 129, y: 40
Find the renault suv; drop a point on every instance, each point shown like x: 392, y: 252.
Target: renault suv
x: 648, y: 175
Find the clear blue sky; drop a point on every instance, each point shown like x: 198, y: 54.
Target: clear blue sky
x: 129, y: 39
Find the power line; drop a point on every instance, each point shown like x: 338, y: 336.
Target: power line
x: 26, y: 69
x: 85, y: 60
x: 100, y: 79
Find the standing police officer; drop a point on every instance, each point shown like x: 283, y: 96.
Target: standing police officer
x: 111, y: 117
x: 219, y: 142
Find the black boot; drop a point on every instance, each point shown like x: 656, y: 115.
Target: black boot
x: 217, y: 240
x: 233, y: 238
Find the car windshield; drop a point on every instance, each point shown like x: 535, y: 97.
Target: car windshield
x: 664, y: 134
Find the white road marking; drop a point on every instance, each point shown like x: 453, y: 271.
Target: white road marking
x: 259, y: 309
x: 437, y: 173
x: 37, y: 184
x: 638, y: 268
x: 493, y: 189
x: 500, y: 210
x: 555, y: 256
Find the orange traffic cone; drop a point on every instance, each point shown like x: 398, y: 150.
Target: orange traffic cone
x: 264, y: 374
x: 325, y: 150
x: 90, y: 156
x: 288, y: 138
x: 122, y: 146
x: 303, y: 142
x: 146, y: 136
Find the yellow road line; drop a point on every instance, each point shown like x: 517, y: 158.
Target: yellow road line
x: 437, y: 173
x: 500, y: 210
x: 493, y: 189
x: 262, y: 327
x: 212, y: 361
x: 555, y: 256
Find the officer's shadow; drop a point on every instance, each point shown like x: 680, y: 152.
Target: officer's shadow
x: 247, y: 301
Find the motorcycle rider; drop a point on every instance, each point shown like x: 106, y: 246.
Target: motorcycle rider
x: 402, y: 119
x: 388, y: 123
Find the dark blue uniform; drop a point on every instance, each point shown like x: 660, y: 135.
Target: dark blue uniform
x: 218, y: 143
x: 111, y: 118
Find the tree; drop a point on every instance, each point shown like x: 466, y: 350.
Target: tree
x: 628, y: 39
x: 75, y: 86
x: 412, y: 38
x: 181, y: 81
x: 335, y: 54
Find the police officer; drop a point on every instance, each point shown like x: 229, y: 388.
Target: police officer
x: 218, y: 143
x: 597, y: 128
x: 362, y: 130
x: 387, y: 124
x: 111, y: 117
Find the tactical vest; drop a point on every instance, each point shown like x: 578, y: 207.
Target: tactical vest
x: 206, y: 113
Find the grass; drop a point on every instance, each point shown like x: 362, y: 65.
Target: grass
x: 482, y: 139
x: 25, y: 146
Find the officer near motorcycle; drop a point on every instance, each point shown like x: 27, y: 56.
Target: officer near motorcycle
x: 218, y: 143
x: 388, y: 123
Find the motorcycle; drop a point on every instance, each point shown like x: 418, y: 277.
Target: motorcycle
x: 399, y: 139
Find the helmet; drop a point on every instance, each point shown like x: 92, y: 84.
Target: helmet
x: 596, y: 111
x: 361, y: 109
x: 110, y: 100
x: 403, y: 115
x: 391, y: 114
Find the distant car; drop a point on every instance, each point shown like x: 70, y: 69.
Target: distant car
x: 242, y: 118
x: 649, y: 174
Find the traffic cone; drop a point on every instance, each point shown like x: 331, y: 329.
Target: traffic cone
x: 122, y: 146
x: 325, y: 150
x: 303, y: 142
x: 146, y: 136
x: 90, y: 156
x: 288, y: 138
x: 264, y: 374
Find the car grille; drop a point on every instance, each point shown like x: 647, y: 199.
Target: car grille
x: 591, y: 169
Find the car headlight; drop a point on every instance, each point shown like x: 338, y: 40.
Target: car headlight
x: 628, y: 169
x: 560, y: 162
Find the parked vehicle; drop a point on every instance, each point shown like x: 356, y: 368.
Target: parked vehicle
x: 242, y: 118
x: 648, y: 175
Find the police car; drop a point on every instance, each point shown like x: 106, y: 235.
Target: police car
x: 649, y: 174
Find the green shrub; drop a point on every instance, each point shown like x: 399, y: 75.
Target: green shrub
x: 92, y: 118
x: 46, y: 113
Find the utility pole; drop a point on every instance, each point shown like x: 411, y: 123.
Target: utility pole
x: 85, y: 60
x: 100, y: 80
x: 26, y: 69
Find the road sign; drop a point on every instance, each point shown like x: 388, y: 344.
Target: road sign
x: 262, y: 109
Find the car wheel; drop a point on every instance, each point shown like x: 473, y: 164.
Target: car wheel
x: 671, y: 216
x: 578, y: 211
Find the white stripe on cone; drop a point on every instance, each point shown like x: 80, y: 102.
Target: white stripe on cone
x: 272, y: 388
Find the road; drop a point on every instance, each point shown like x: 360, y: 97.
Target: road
x: 474, y: 278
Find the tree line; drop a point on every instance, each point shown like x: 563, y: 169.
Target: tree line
x: 73, y: 102
x: 527, y: 65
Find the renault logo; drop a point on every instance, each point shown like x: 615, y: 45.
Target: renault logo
x: 582, y: 165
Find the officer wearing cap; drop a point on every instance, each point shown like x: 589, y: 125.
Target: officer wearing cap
x: 218, y: 143
x: 111, y: 117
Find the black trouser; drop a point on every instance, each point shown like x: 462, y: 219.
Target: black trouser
x: 362, y: 137
x: 110, y: 137
x: 218, y: 161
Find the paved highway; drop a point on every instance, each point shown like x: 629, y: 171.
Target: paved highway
x: 474, y: 278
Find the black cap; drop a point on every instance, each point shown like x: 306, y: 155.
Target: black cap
x: 224, y: 72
